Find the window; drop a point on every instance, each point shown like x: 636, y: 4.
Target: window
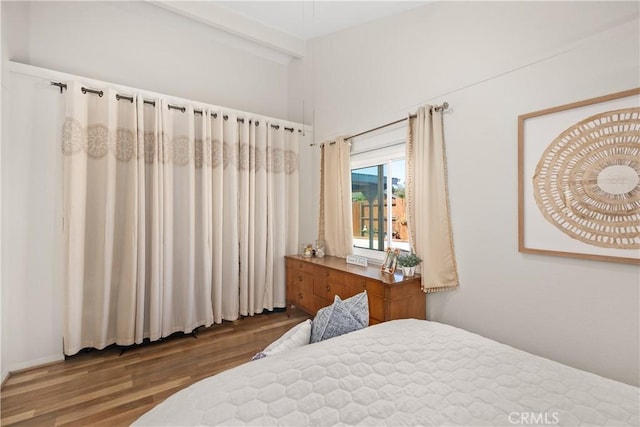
x: 378, y: 181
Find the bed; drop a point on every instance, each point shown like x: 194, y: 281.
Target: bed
x: 402, y: 372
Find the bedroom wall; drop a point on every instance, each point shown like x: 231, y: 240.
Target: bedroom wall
x: 493, y: 61
x: 128, y: 43
x: 143, y: 46
x: 3, y: 370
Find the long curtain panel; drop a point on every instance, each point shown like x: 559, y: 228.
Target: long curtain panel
x: 428, y: 217
x: 168, y: 216
x: 267, y: 161
x: 335, y: 224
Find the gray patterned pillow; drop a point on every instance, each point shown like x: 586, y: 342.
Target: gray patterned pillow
x: 341, y: 317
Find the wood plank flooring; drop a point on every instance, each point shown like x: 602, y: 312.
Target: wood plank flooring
x: 104, y: 388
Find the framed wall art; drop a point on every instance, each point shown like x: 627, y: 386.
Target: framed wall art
x: 579, y: 179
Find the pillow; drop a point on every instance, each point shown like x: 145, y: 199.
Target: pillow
x: 297, y: 336
x: 341, y: 317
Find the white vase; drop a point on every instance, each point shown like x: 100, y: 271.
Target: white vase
x: 408, y: 271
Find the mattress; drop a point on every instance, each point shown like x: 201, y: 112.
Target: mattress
x: 403, y: 372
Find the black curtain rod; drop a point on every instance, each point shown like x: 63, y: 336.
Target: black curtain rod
x: 442, y: 107
x: 130, y: 99
x: 379, y: 127
x: 63, y: 86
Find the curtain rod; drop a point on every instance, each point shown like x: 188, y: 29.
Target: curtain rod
x: 63, y: 86
x: 442, y: 107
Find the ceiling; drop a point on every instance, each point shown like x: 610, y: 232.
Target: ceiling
x: 285, y: 26
x: 309, y: 19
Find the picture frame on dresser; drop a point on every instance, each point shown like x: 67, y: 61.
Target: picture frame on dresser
x: 390, y: 262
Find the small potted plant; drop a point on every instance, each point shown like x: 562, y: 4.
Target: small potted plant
x: 408, y: 262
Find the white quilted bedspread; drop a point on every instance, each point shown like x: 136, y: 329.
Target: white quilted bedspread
x: 405, y: 372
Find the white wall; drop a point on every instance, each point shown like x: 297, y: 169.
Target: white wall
x: 129, y: 43
x: 32, y: 225
x: 300, y: 110
x: 4, y: 370
x: 140, y: 45
x: 493, y: 61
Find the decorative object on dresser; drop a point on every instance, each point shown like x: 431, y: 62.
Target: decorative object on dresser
x: 357, y: 260
x: 306, y: 250
x: 408, y: 261
x: 312, y: 283
x: 390, y: 261
x: 320, y: 248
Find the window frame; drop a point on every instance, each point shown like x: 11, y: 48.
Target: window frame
x: 380, y: 149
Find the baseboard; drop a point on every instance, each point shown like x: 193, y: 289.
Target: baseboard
x: 19, y: 367
x: 5, y: 379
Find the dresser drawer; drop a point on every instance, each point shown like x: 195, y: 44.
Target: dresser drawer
x: 304, y: 278
x: 302, y: 295
x: 356, y: 284
x: 329, y: 274
x: 375, y: 294
x: 300, y: 266
x: 327, y: 289
x: 319, y: 302
x: 376, y: 307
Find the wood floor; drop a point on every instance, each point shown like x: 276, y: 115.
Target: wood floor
x: 104, y: 388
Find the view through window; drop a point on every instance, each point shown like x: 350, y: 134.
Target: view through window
x: 379, y: 215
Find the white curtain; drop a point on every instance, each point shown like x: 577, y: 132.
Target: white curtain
x: 336, y: 225
x: 268, y: 212
x: 428, y: 216
x: 168, y: 216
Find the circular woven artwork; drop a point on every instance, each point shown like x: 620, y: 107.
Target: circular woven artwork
x: 587, y: 182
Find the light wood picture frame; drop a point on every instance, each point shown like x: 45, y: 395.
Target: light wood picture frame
x: 579, y: 179
x: 390, y: 261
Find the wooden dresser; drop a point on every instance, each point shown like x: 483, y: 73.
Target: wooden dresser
x: 313, y: 282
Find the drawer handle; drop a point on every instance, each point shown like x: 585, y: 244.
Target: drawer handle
x: 300, y: 295
x: 326, y: 273
x: 328, y: 288
x: 300, y: 266
x: 300, y: 279
x: 364, y: 285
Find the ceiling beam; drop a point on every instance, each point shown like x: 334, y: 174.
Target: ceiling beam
x: 246, y: 28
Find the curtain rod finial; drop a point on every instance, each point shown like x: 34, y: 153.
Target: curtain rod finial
x: 60, y: 85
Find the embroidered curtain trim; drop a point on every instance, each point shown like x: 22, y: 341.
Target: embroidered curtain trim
x: 96, y: 141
